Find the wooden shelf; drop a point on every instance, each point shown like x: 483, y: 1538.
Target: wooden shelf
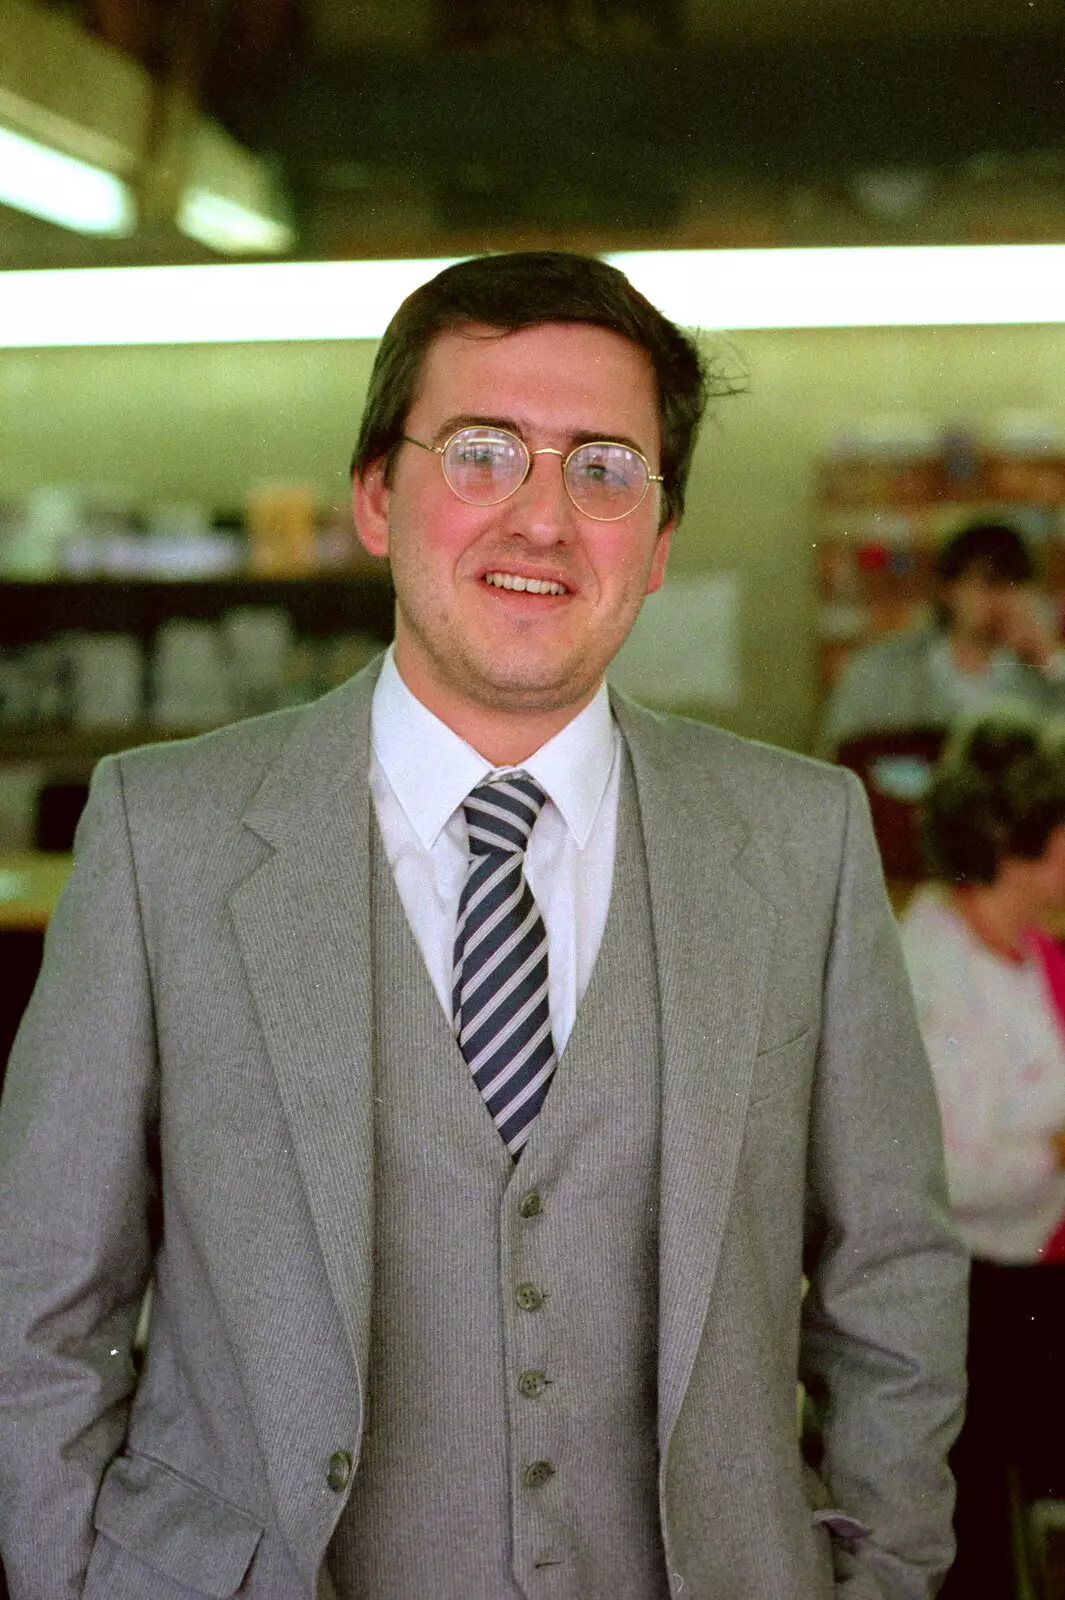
x: 357, y: 602
x: 77, y: 750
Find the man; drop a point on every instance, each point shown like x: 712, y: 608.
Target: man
x: 991, y: 640
x: 474, y: 1063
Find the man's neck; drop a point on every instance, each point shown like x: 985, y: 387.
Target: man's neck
x: 503, y: 737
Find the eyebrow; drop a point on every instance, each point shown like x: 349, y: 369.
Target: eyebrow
x: 467, y: 419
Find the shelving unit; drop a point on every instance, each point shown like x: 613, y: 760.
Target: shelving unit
x: 332, y: 604
x: 57, y: 748
x: 320, y: 607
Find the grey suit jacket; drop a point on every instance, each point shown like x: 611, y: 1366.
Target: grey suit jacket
x: 189, y: 1101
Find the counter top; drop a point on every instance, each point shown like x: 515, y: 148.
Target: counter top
x: 30, y: 885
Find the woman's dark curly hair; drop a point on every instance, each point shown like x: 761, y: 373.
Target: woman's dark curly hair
x: 998, y: 790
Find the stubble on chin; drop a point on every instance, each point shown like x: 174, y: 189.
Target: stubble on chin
x: 508, y: 681
x: 513, y: 685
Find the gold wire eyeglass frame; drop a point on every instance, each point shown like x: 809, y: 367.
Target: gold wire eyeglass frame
x: 590, y: 444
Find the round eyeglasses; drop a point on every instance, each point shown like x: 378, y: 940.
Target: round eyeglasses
x: 483, y: 466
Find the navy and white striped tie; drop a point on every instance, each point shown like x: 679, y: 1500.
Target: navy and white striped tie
x: 500, y: 981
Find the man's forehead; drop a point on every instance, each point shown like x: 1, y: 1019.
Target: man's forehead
x: 985, y: 571
x: 474, y: 334
x: 474, y: 369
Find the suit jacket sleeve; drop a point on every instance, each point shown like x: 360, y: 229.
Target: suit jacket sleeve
x: 77, y: 1194
x: 884, y: 1316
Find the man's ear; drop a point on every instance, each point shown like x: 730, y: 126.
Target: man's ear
x: 661, y: 556
x: 370, y: 496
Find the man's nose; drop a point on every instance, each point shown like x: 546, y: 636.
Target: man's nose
x: 542, y: 508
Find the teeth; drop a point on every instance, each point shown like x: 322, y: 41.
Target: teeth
x: 510, y: 580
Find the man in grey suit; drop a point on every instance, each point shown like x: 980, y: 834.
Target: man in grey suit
x: 479, y: 1068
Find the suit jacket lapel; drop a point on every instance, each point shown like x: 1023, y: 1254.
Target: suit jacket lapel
x: 713, y: 930
x: 302, y: 919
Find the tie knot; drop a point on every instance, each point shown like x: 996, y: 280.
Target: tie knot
x: 500, y: 814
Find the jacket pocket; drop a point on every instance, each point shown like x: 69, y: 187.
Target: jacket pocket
x: 840, y: 1524
x: 783, y: 1067
x: 176, y: 1526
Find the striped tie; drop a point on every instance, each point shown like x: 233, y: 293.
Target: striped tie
x: 500, y: 981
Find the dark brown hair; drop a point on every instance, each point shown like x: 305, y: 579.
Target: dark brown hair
x: 998, y: 547
x: 998, y: 790
x: 521, y: 290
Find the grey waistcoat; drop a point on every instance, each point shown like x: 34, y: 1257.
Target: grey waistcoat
x: 510, y: 1445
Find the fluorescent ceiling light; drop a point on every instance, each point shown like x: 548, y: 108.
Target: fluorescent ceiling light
x: 82, y: 117
x: 230, y: 201
x: 62, y: 189
x: 206, y: 305
x: 735, y: 289
x: 856, y: 287
x: 223, y: 225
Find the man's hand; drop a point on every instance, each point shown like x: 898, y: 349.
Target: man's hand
x: 1028, y: 629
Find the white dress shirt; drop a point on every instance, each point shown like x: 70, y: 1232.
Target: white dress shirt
x: 421, y: 772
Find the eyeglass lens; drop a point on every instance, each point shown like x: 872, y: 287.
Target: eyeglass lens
x: 485, y: 465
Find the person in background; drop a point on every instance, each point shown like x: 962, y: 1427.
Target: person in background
x: 475, y: 1062
x: 991, y: 638
x: 990, y: 988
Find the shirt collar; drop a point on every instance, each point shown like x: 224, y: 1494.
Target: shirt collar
x: 431, y: 770
x: 574, y: 767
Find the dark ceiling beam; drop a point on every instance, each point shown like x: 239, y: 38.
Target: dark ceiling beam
x: 795, y: 112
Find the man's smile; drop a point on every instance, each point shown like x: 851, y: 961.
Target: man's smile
x: 514, y: 580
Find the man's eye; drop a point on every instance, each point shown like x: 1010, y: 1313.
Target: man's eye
x: 478, y: 455
x: 596, y: 469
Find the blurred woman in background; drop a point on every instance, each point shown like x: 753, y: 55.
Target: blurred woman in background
x: 990, y: 988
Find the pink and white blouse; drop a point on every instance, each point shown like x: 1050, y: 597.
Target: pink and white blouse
x: 997, y: 1050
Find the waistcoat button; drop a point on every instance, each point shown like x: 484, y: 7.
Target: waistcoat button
x: 529, y: 1297
x: 538, y: 1473
x: 532, y: 1385
x: 530, y: 1204
x: 338, y: 1474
